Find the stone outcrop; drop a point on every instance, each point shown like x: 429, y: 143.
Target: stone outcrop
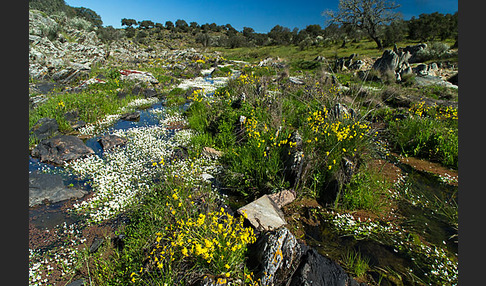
x: 44, y: 128
x: 282, y: 260
x: 50, y: 187
x: 61, y: 149
x: 263, y: 214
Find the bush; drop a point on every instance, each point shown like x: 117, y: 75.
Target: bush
x: 434, y: 51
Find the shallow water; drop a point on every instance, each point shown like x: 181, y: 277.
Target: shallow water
x: 48, y: 216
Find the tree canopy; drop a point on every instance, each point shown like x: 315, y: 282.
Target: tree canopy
x: 368, y: 15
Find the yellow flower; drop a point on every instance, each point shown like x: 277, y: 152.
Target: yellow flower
x: 227, y: 266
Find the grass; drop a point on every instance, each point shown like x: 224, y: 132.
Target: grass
x: 367, y: 190
x: 431, y: 132
x: 355, y: 263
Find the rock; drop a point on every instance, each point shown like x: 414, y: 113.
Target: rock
x: 278, y: 254
x: 211, y: 153
x: 50, y: 187
x: 97, y: 242
x: 357, y: 65
x: 109, y: 141
x: 429, y: 80
x: 319, y: 59
x: 388, y: 62
x: 44, y: 128
x: 296, y: 80
x: 263, y: 214
x: 341, y: 111
x: 413, y: 50
x: 180, y: 153
x: 131, y: 116
x: 146, y: 92
x: 454, y: 79
x: 421, y: 70
x: 282, y: 198
x: 61, y: 149
x: 79, y: 282
x: 281, y: 260
x: 317, y: 270
x: 140, y: 76
x: 294, y: 159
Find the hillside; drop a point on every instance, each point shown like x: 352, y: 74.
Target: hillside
x: 174, y: 157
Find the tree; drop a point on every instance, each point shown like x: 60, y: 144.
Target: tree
x: 280, y: 35
x: 89, y: 15
x: 169, y: 25
x: 128, y: 22
x: 146, y: 24
x: 368, y: 15
x: 181, y: 25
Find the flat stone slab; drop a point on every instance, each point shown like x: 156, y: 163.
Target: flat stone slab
x: 61, y: 149
x: 263, y: 214
x: 50, y: 187
x: 107, y: 142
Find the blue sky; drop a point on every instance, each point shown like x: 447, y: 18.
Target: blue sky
x: 261, y: 15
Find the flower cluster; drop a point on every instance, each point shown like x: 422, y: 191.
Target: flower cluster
x: 197, y: 95
x: 215, y: 241
x: 420, y: 109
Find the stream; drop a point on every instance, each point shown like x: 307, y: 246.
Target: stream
x: 428, y: 206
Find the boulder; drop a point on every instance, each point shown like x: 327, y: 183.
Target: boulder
x: 263, y: 214
x: 413, y: 50
x: 278, y: 255
x: 50, y: 187
x: 388, y: 62
x: 131, y: 116
x: 139, y: 76
x: 454, y: 79
x: 296, y: 80
x: 421, y: 70
x: 318, y: 270
x: 109, y: 141
x: 61, y: 149
x: 282, y: 260
x: 44, y: 128
x: 294, y: 159
x: 429, y: 80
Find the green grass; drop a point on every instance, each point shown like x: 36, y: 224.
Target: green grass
x: 172, y: 239
x: 355, y: 263
x: 367, y: 190
x: 430, y: 133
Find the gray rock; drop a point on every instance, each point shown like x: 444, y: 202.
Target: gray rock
x: 139, y: 76
x: 50, y: 187
x: 131, y: 116
x: 97, y: 243
x: 61, y: 149
x: 79, y: 282
x: 279, y: 253
x: 294, y: 159
x: 388, y: 62
x: 296, y: 80
x: 109, y: 141
x: 317, y: 270
x: 421, y: 70
x: 44, y: 128
x: 429, y: 80
x: 263, y: 214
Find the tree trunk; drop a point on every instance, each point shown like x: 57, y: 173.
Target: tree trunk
x: 377, y: 40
